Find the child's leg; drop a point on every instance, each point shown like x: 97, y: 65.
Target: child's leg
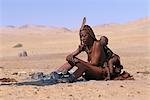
x: 113, y: 62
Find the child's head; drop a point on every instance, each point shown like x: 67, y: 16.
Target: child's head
x: 104, y: 40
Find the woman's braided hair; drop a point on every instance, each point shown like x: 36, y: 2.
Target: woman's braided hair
x: 89, y: 31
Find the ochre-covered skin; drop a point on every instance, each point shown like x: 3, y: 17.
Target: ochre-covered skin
x: 95, y: 49
x: 97, y: 54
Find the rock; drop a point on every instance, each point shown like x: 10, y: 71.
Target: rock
x: 18, y: 45
x: 37, y: 75
x: 121, y: 86
x: 19, y: 73
x: 8, y: 80
x: 23, y: 54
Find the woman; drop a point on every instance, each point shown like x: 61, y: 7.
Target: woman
x: 96, y: 58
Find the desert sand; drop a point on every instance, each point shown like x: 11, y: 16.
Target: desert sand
x: 47, y: 48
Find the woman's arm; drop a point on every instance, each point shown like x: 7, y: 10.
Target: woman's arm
x: 71, y: 56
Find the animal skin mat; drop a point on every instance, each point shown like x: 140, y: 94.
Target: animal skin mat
x: 40, y: 79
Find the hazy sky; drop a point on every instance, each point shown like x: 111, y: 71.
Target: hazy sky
x: 69, y: 13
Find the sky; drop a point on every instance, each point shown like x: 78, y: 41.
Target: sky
x: 69, y: 13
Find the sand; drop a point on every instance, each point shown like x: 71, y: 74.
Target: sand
x: 47, y: 48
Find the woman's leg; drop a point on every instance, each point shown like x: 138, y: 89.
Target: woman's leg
x: 65, y: 67
x: 83, y: 66
x: 94, y: 72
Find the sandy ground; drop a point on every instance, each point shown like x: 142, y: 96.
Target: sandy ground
x: 47, y: 49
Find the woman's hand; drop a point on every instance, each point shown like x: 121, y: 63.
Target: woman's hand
x: 69, y: 58
x: 72, y: 59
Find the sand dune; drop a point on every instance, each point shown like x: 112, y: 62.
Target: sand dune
x: 47, y: 48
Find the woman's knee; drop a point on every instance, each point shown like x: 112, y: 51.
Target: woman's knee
x: 80, y: 65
